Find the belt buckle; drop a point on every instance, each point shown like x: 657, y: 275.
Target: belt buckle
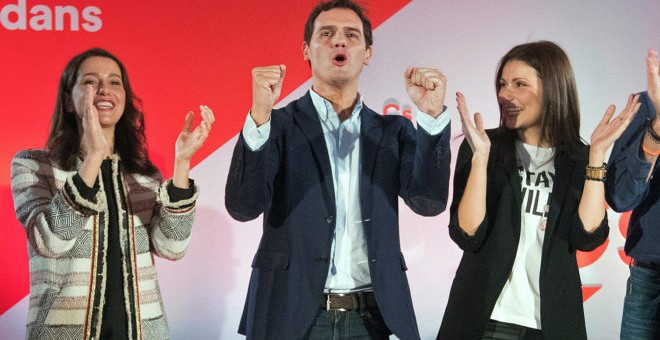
x: 328, y: 304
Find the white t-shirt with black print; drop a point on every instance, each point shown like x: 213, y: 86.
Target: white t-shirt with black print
x: 519, y: 302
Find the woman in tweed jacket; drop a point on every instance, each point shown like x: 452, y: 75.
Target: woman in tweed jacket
x: 96, y: 210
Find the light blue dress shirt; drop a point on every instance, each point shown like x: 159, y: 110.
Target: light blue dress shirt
x: 349, y: 262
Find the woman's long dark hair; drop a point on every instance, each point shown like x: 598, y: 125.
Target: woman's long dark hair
x: 64, y: 137
x: 560, y: 109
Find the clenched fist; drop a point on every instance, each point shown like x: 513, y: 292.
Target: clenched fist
x: 426, y: 88
x: 266, y: 88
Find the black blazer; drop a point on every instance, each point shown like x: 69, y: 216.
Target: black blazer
x: 489, y: 254
x: 290, y: 181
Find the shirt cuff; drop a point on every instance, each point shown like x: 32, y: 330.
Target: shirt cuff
x: 255, y: 136
x: 179, y: 194
x: 85, y: 191
x: 433, y: 126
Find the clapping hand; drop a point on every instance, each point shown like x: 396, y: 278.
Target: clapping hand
x: 190, y: 140
x: 653, y: 78
x: 93, y: 140
x: 474, y: 132
x: 609, y: 129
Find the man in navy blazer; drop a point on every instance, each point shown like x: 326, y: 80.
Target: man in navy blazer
x: 326, y: 172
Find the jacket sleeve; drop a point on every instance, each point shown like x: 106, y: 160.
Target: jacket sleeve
x: 53, y: 214
x: 568, y: 215
x: 245, y: 191
x: 462, y: 239
x: 626, y: 185
x: 585, y: 241
x: 425, y: 167
x: 172, y: 221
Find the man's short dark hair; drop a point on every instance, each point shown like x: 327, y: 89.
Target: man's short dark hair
x: 349, y: 4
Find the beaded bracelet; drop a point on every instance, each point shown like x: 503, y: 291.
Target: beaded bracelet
x: 650, y: 152
x: 596, y: 173
x: 651, y: 132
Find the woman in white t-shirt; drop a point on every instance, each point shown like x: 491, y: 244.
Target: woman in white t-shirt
x: 524, y: 203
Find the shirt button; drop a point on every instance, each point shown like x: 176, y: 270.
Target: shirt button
x: 324, y: 260
x: 329, y: 219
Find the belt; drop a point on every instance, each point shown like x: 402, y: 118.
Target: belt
x: 646, y: 265
x: 348, y: 302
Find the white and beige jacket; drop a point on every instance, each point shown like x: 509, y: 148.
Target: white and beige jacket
x: 67, y: 240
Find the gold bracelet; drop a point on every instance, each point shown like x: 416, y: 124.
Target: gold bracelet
x: 596, y: 173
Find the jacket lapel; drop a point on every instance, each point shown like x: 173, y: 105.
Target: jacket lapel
x: 371, y: 133
x: 515, y: 179
x: 507, y: 167
x: 564, y: 176
x: 308, y: 120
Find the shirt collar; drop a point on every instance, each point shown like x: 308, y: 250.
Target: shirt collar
x: 324, y: 106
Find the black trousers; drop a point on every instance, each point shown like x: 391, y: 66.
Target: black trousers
x: 497, y: 330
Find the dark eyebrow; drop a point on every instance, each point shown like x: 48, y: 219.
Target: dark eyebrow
x: 334, y: 28
x: 515, y: 79
x: 328, y: 27
x: 97, y: 75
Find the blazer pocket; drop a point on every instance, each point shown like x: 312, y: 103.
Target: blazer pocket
x: 266, y: 259
x: 403, y: 262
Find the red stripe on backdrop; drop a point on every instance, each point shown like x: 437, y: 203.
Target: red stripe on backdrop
x: 179, y: 54
x: 589, y: 290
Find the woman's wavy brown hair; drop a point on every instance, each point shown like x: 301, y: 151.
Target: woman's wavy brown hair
x: 64, y: 137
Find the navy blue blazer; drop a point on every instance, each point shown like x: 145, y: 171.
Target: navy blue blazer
x: 628, y: 189
x: 289, y: 180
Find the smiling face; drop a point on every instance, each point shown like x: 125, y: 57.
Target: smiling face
x: 520, y: 97
x: 104, y: 76
x: 337, y: 51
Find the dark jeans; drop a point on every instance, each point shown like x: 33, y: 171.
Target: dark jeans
x: 641, y: 315
x: 496, y: 330
x: 338, y: 325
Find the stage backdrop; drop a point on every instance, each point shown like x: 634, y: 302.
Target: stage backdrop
x: 180, y: 54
